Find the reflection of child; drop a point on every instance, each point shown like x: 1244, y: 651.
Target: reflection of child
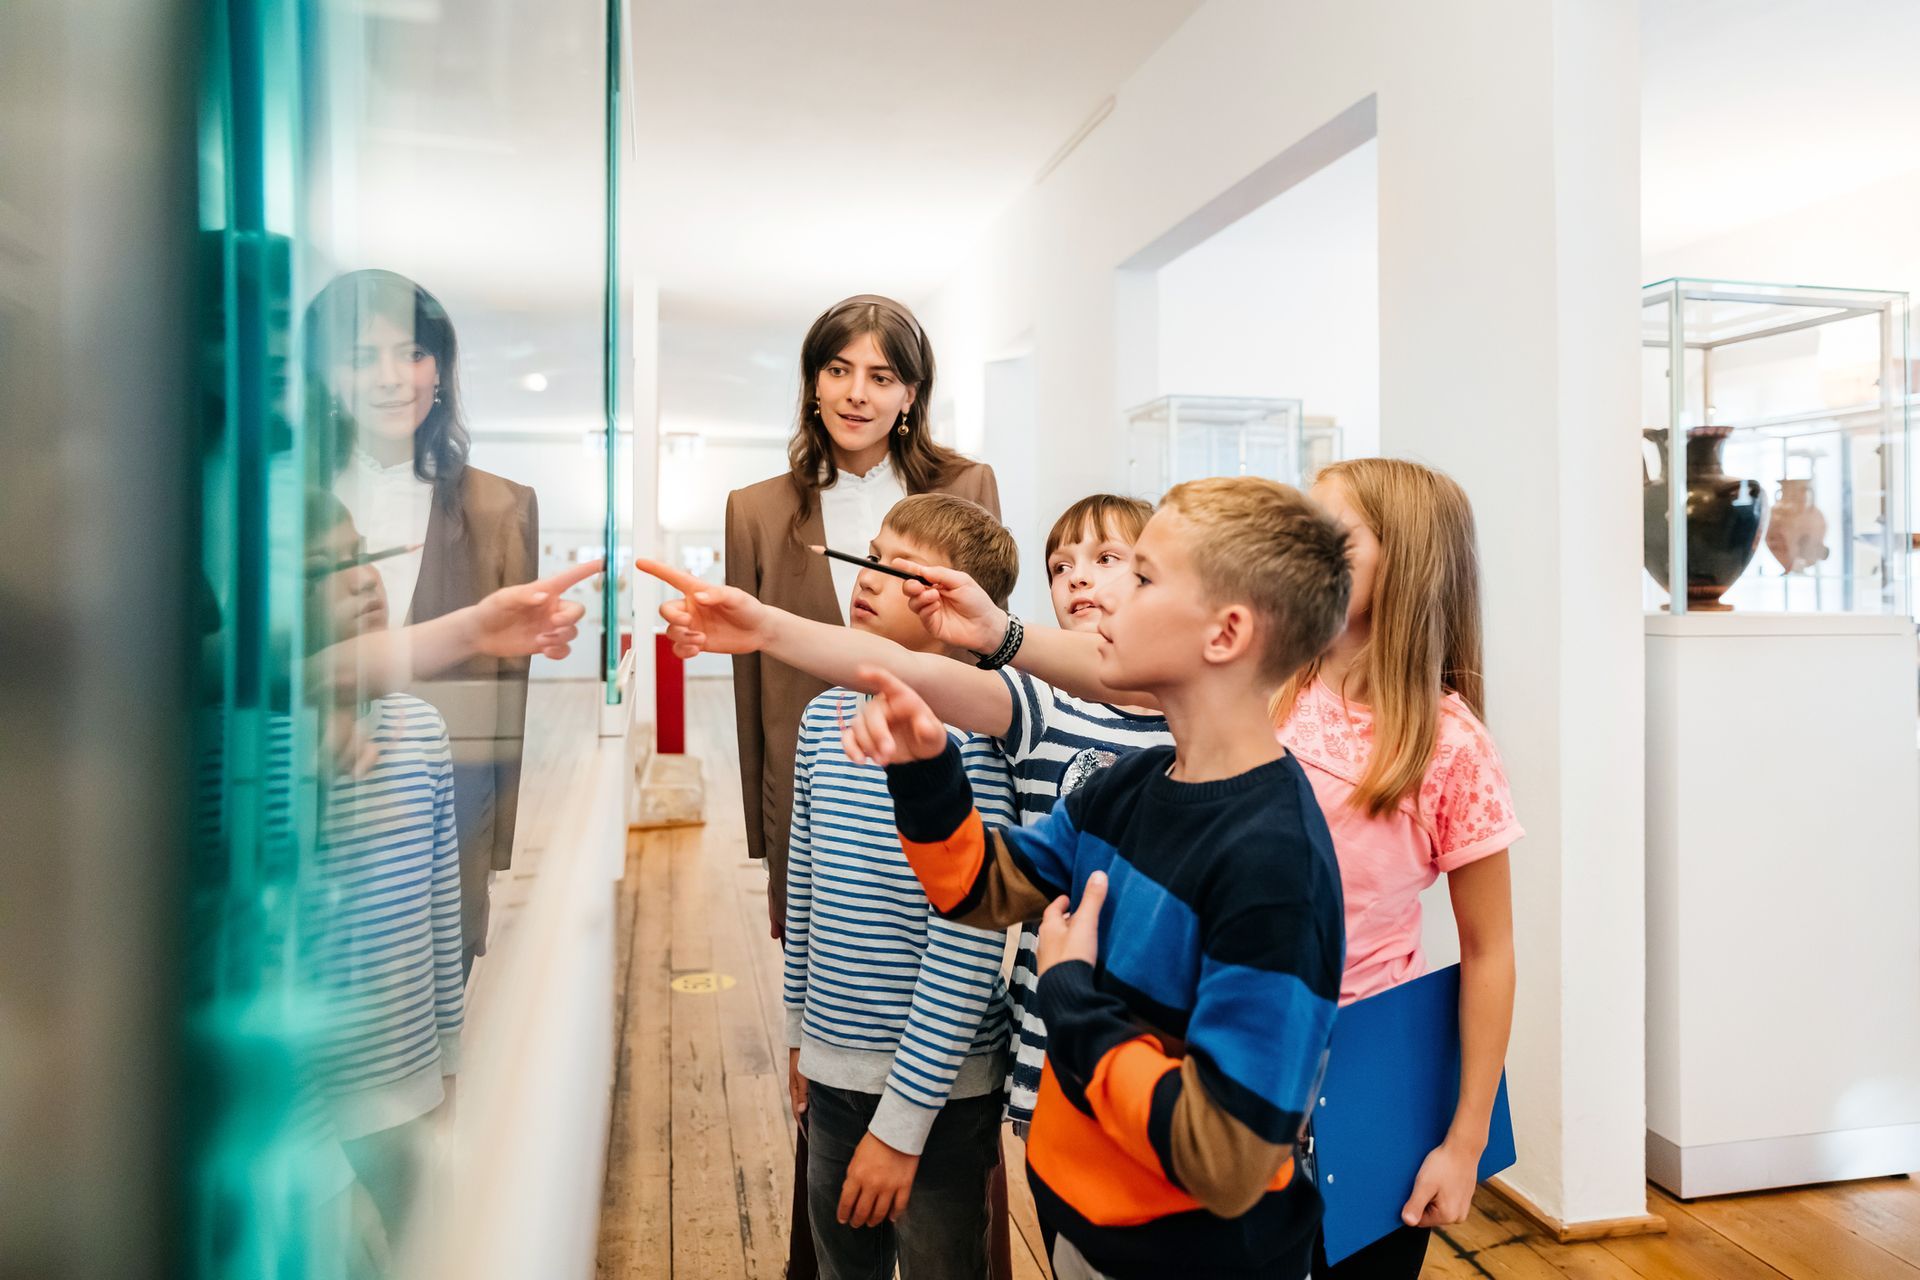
x: 384, y: 906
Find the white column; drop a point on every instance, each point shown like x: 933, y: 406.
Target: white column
x: 1509, y: 225
x: 1509, y: 358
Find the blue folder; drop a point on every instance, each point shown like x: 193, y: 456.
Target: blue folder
x: 1393, y: 1076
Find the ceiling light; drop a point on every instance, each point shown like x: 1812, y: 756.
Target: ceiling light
x: 534, y: 382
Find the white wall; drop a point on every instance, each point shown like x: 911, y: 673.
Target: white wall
x: 1009, y: 446
x: 1863, y: 239
x: 1508, y: 216
x: 1286, y: 302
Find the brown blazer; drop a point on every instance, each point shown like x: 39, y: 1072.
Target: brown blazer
x: 494, y: 543
x: 766, y: 559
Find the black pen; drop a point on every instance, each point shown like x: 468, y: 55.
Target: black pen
x: 365, y: 557
x: 867, y: 562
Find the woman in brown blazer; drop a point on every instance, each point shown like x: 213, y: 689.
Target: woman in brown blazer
x: 383, y: 361
x: 860, y: 444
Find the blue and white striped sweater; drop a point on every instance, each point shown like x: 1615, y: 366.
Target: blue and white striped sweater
x: 882, y: 995
x: 386, y: 944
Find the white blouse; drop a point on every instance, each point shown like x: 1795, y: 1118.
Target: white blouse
x: 390, y: 507
x: 852, y: 511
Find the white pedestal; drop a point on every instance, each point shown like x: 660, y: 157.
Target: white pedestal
x: 1783, y: 901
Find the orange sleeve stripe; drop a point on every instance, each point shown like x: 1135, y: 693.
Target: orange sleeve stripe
x: 948, y: 869
x: 1121, y: 1094
x: 1081, y: 1163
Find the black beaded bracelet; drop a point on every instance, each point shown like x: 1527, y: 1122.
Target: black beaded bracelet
x: 1009, y: 646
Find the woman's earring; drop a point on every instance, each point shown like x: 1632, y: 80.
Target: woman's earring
x: 436, y: 393
x: 902, y: 428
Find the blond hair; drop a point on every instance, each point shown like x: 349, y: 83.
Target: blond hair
x: 1097, y: 514
x: 965, y: 533
x: 1424, y: 638
x: 1264, y: 544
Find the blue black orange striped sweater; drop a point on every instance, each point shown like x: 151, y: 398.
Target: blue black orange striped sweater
x: 1180, y: 1067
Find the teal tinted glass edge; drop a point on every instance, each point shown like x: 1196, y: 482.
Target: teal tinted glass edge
x: 255, y: 1191
x: 610, y: 590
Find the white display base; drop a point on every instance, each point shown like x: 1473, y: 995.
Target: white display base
x: 1783, y: 900
x: 1733, y: 1167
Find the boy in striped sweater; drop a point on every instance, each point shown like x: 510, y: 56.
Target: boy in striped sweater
x: 1053, y: 740
x: 1190, y: 991
x: 896, y: 1019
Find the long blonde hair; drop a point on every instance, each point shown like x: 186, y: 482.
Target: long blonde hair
x: 1424, y: 638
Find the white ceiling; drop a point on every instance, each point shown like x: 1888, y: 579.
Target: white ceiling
x: 790, y: 154
x: 1755, y: 108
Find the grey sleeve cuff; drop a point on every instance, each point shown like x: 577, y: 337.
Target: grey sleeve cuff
x: 901, y: 1124
x: 793, y: 1026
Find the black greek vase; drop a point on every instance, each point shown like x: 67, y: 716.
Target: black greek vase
x: 1726, y: 516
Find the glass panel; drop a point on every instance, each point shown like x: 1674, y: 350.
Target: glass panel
x: 412, y: 402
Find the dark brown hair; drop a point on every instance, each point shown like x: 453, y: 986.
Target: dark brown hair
x: 333, y: 322
x: 1098, y: 514
x: 966, y: 534
x: 1266, y: 545
x: 922, y: 463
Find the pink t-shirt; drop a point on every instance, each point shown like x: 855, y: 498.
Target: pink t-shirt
x: 1462, y: 812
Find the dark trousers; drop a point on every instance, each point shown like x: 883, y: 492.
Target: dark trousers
x: 801, y: 1264
x: 1392, y: 1257
x: 943, y: 1233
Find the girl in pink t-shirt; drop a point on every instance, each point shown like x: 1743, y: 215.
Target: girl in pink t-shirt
x: 1387, y: 726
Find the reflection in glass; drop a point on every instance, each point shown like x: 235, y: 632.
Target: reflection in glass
x: 366, y: 592
x: 383, y: 939
x: 383, y: 369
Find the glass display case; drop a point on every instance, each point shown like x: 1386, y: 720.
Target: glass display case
x: 1179, y: 438
x: 1788, y: 424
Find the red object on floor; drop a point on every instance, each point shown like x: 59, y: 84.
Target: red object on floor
x: 669, y: 700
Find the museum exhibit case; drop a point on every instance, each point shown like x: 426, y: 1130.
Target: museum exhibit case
x: 1182, y: 437
x: 1783, y: 786
x: 1789, y: 428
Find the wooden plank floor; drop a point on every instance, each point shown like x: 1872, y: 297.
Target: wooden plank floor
x: 700, y: 1151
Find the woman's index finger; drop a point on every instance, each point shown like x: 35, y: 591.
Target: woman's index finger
x: 679, y: 579
x: 566, y: 578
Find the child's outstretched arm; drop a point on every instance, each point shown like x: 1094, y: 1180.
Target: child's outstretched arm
x: 956, y: 611
x: 713, y: 619
x: 975, y: 874
x: 518, y: 621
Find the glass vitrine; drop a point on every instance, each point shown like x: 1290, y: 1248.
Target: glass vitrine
x: 1787, y: 423
x: 1181, y: 437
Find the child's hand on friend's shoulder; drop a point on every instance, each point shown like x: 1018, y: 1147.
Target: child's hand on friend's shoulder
x: 894, y: 727
x: 710, y: 619
x: 954, y: 610
x: 1073, y: 935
